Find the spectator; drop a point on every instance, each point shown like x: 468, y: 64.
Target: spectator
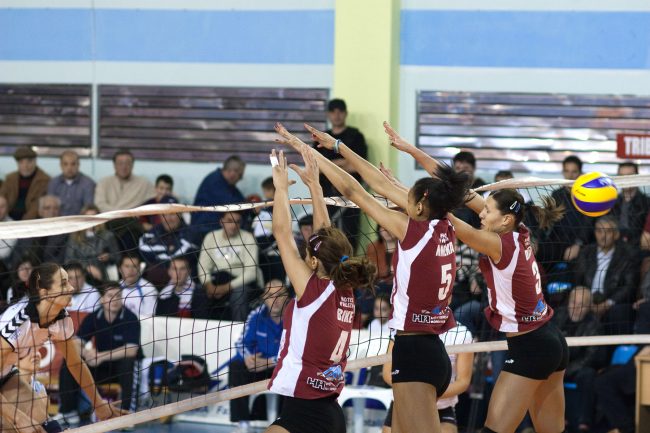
x: 347, y: 219
x: 465, y: 162
x: 269, y: 259
x: 21, y: 284
x: 164, y: 194
x: 85, y: 298
x: 616, y: 386
x: 378, y: 327
x: 380, y: 252
x: 228, y: 265
x: 45, y: 248
x: 24, y: 187
x: 6, y: 245
x: 74, y: 189
x: 176, y: 298
x: 577, y: 320
x: 96, y: 247
x: 631, y: 207
x: 138, y: 294
x: 306, y: 229
x: 562, y: 243
x: 123, y: 190
x: 468, y: 289
x: 257, y: 350
x: 218, y: 188
x: 164, y: 241
x: 112, y: 337
x: 609, y: 269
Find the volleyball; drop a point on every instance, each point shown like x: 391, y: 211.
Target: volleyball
x: 594, y: 194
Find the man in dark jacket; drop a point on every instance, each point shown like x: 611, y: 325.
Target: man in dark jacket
x: 577, y: 320
x: 218, y: 188
x: 631, y: 207
x: 610, y: 270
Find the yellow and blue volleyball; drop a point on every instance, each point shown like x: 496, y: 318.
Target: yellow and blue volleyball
x: 594, y: 194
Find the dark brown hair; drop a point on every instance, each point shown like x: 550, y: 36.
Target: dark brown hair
x: 333, y: 249
x: 509, y: 201
x: 443, y: 193
x: 42, y: 277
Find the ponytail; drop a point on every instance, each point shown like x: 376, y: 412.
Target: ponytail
x: 549, y: 213
x: 355, y: 272
x: 509, y: 201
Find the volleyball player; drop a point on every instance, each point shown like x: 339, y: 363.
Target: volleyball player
x: 425, y: 268
x: 24, y: 327
x: 533, y: 373
x: 318, y: 322
x: 461, y: 376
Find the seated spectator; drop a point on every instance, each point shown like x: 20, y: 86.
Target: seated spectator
x: 563, y: 241
x: 269, y: 258
x: 45, y: 248
x: 465, y: 162
x: 164, y: 194
x: 112, y: 343
x: 123, y: 190
x: 616, y: 386
x: 6, y: 245
x: 20, y: 287
x: 378, y: 327
x: 631, y: 207
x: 169, y: 239
x: 577, y: 320
x: 218, y: 188
x: 96, y: 247
x: 228, y: 266
x: 138, y: 294
x: 380, y: 252
x: 85, y: 298
x: 176, y: 298
x: 468, y: 287
x: 609, y: 269
x: 257, y: 350
x: 74, y: 189
x: 306, y: 229
x: 24, y: 187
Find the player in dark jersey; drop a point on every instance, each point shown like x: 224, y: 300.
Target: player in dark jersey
x: 533, y: 373
x: 425, y: 268
x: 318, y: 322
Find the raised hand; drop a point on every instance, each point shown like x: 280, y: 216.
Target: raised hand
x: 322, y: 139
x: 309, y: 174
x: 388, y: 173
x: 396, y: 140
x: 280, y: 172
x: 288, y: 139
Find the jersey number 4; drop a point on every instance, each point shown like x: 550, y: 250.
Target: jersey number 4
x: 337, y: 354
x: 446, y: 279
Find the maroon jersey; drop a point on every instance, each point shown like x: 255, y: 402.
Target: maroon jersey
x: 425, y: 269
x: 516, y: 303
x: 315, y: 340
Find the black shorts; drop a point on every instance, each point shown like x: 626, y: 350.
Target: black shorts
x: 421, y: 358
x: 537, y: 354
x: 299, y: 415
x: 447, y: 415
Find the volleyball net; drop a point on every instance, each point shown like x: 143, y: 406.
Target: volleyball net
x: 172, y: 316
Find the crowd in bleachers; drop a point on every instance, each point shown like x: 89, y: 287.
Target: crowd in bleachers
x: 224, y: 266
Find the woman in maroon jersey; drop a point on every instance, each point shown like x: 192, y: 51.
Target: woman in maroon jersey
x: 318, y: 322
x: 533, y: 374
x: 425, y: 268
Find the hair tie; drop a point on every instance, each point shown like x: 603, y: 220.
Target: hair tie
x: 515, y: 206
x: 344, y: 258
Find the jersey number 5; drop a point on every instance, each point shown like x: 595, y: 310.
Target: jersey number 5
x: 337, y: 354
x: 445, y: 278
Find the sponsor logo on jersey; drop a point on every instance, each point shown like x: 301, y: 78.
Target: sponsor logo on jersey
x: 345, y: 316
x: 540, y: 311
x: 332, y: 378
x: 332, y: 374
x: 434, y: 316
